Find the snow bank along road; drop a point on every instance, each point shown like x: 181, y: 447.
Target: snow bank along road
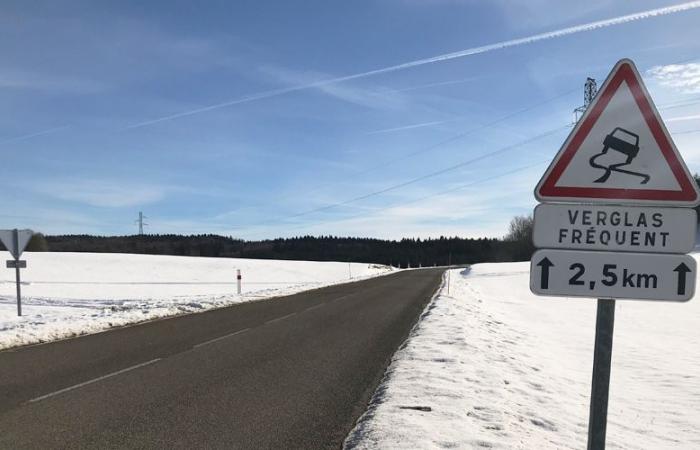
x: 492, y: 366
x: 69, y: 294
x: 290, y: 372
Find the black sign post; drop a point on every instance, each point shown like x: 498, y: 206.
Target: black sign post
x: 19, y: 289
x: 600, y: 386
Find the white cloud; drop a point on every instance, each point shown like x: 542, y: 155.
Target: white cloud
x: 683, y: 118
x: 24, y: 217
x: 682, y: 77
x: 464, y: 214
x: 689, y: 147
x: 524, y: 14
x: 102, y: 193
x: 472, y: 212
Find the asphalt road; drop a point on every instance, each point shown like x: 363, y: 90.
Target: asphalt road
x: 287, y: 373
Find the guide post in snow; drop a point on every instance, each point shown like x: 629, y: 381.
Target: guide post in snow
x: 616, y: 218
x: 15, y: 241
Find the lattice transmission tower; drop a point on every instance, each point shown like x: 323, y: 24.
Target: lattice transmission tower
x: 140, y: 222
x: 590, y: 89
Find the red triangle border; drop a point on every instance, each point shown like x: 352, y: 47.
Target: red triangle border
x: 624, y: 73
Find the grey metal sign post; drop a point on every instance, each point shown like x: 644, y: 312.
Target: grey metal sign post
x: 17, y: 280
x: 600, y: 384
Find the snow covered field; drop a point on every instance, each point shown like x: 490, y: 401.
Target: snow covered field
x: 493, y: 366
x: 66, y: 294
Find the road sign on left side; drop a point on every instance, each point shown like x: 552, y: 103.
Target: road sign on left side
x: 16, y: 248
x: 644, y: 276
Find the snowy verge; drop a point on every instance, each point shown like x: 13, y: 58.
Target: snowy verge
x: 70, y: 294
x: 493, y: 366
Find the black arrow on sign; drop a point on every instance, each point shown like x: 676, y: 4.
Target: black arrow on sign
x: 545, y: 264
x: 682, y: 270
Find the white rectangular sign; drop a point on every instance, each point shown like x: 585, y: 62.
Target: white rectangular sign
x: 643, y: 276
x: 615, y: 228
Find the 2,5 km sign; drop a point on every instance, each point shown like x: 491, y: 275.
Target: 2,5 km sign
x: 613, y: 275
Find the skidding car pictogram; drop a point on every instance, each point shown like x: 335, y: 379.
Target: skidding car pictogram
x: 625, y: 142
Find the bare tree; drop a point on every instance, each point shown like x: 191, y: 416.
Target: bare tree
x: 520, y: 237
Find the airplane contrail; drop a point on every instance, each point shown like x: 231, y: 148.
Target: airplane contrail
x: 410, y: 127
x: 31, y: 135
x: 423, y: 86
x: 590, y: 26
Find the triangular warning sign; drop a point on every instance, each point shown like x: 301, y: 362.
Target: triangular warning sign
x: 16, y: 247
x: 619, y: 152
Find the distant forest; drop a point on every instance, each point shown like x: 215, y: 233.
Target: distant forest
x: 413, y: 252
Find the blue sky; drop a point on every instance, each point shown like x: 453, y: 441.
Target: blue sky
x: 215, y: 116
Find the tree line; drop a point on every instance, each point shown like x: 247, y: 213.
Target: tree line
x: 399, y: 253
x: 515, y: 246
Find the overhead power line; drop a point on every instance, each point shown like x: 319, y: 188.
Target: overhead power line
x: 435, y: 173
x: 417, y: 179
x: 448, y: 169
x: 589, y: 93
x: 469, y: 132
x: 441, y: 193
x: 429, y: 148
x: 375, y: 211
x: 681, y: 104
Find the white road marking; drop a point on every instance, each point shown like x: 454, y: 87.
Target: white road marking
x: 280, y: 318
x: 337, y: 299
x: 95, y: 380
x: 314, y: 307
x: 220, y: 338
